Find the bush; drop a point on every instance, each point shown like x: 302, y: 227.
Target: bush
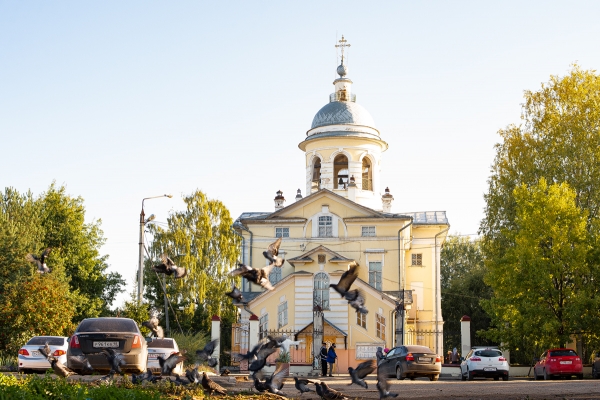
x: 189, y: 343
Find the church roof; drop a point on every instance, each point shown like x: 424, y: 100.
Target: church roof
x: 343, y: 112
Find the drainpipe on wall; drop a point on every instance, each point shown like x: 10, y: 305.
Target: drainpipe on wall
x: 401, y: 284
x: 437, y: 293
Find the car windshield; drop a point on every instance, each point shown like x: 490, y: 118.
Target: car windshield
x: 488, y: 353
x: 108, y: 325
x: 418, y: 349
x: 41, y: 340
x: 161, y: 344
x: 558, y: 353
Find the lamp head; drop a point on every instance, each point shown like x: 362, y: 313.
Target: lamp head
x: 169, y: 195
x: 150, y: 218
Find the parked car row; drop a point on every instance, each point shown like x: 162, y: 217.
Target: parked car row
x: 90, y: 338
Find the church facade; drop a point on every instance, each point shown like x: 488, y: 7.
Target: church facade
x: 346, y: 215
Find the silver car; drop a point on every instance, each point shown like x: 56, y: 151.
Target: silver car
x: 164, y: 348
x: 30, y: 358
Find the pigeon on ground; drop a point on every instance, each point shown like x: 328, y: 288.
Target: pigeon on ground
x: 235, y: 294
x: 147, y: 376
x: 193, y: 375
x: 357, y: 375
x: 272, y: 252
x: 332, y: 394
x: 211, y: 386
x: 261, y: 359
x: 275, y: 381
x: 302, y: 385
x: 259, y: 384
x: 356, y: 300
x: 180, y: 382
x: 168, y: 364
x: 86, y: 367
x: 383, y: 386
x: 318, y: 389
x: 208, y: 350
x: 106, y: 379
x: 40, y: 261
x: 152, y: 324
x: 347, y: 279
x: 115, y: 360
x: 257, y: 276
x: 168, y: 267
x: 59, y: 368
x: 225, y: 372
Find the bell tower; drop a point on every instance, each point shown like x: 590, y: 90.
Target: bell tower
x: 343, y: 147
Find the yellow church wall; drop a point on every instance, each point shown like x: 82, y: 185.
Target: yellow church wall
x: 356, y: 148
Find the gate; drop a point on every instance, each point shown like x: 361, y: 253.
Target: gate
x: 298, y: 352
x: 421, y: 338
x: 240, y: 340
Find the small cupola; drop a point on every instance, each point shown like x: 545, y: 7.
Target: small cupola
x: 298, y: 195
x: 387, y: 200
x: 279, y: 200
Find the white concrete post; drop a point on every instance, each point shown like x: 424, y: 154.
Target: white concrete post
x: 253, y: 332
x: 215, y: 333
x: 465, y: 335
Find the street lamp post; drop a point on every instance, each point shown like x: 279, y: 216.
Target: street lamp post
x: 143, y: 223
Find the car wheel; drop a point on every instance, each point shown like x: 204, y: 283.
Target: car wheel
x: 25, y: 371
x: 399, y: 373
x: 546, y: 376
x: 496, y: 378
x: 434, y: 377
x: 470, y: 375
x: 568, y: 377
x: 463, y: 377
x: 580, y: 376
x: 505, y: 377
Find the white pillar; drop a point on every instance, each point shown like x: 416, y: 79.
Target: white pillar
x: 253, y: 332
x: 465, y: 335
x: 215, y: 333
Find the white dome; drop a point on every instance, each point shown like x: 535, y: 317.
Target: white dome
x: 343, y: 112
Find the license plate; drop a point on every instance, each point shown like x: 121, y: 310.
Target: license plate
x: 106, y: 344
x: 153, y: 356
x: 566, y: 362
x: 35, y: 353
x: 424, y: 359
x: 489, y: 369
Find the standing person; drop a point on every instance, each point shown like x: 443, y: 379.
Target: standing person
x: 331, y: 356
x: 324, y: 359
x: 455, y: 356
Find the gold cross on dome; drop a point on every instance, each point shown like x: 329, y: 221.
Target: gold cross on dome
x: 343, y: 43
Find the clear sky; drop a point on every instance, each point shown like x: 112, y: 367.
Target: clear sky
x: 121, y: 100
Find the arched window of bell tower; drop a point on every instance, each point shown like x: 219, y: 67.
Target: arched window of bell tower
x: 340, y: 171
x: 316, y: 175
x: 367, y: 174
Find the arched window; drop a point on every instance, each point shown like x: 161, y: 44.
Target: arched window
x: 321, y: 292
x: 316, y: 174
x: 340, y: 171
x: 367, y: 175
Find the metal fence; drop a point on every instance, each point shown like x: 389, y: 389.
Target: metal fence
x: 299, y: 353
x: 421, y: 338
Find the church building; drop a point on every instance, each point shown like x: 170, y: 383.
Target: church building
x: 345, y: 215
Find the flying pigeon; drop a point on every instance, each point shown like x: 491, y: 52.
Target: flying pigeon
x: 275, y: 381
x: 168, y: 364
x: 115, y: 360
x: 357, y: 375
x: 40, y: 261
x: 168, y: 267
x: 59, y: 368
x: 356, y: 300
x: 210, y: 386
x: 272, y: 252
x: 302, y: 385
x: 45, y: 351
x: 261, y: 359
x: 331, y: 394
x: 347, y: 279
x: 152, y: 324
x: 251, y: 355
x: 208, y: 350
x: 235, y: 294
x: 86, y: 367
x: 257, y: 276
x: 383, y: 386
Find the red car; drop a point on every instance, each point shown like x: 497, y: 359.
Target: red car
x: 558, y: 362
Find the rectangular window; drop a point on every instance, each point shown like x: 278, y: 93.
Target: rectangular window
x: 325, y: 226
x: 417, y: 259
x: 380, y: 326
x: 282, y: 319
x: 282, y: 232
x: 375, y: 274
x: 263, y: 326
x: 368, y: 231
x: 361, y: 320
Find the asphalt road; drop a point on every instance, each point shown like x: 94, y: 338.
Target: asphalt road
x: 445, y: 388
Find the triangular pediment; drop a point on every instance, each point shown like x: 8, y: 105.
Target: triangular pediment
x: 309, y: 256
x: 291, y: 210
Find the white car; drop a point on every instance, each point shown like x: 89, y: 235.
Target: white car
x: 484, y: 362
x: 30, y: 358
x: 164, y: 348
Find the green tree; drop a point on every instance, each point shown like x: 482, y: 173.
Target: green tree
x: 462, y: 271
x: 200, y: 239
x: 558, y: 140
x: 38, y: 305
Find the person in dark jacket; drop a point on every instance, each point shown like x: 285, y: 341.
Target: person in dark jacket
x: 324, y: 359
x: 331, y: 356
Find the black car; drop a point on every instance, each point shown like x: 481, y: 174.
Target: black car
x: 411, y: 361
x: 595, y: 361
x: 120, y: 334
